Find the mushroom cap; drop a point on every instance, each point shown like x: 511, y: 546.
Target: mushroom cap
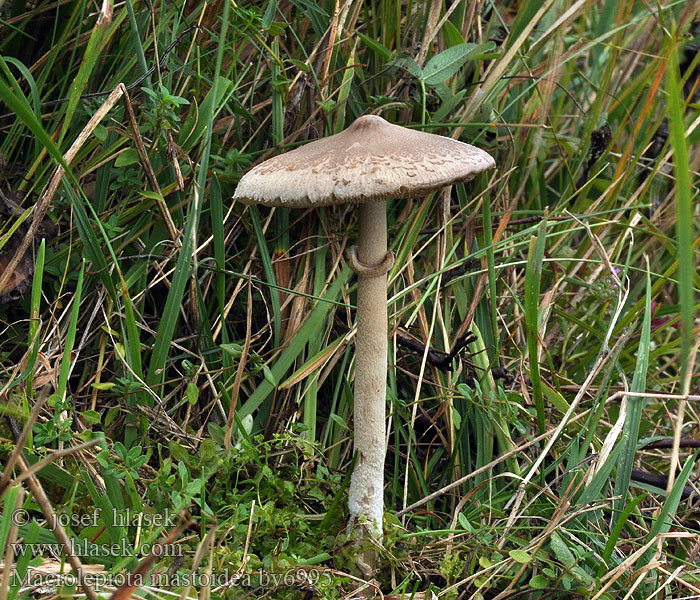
x: 369, y: 161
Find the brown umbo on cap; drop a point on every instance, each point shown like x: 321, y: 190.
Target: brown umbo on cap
x: 370, y: 160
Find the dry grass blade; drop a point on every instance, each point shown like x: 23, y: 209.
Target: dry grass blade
x: 9, y: 557
x: 137, y: 578
x: 57, y: 454
x: 204, y: 546
x: 22, y: 440
x: 150, y: 174
x: 55, y: 525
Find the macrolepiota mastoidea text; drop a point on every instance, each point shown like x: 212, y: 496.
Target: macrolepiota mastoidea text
x: 367, y: 164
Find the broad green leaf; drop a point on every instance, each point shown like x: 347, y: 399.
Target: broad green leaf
x: 464, y: 522
x: 126, y: 158
x: 269, y: 15
x: 444, y: 65
x: 456, y: 419
x: 192, y: 392
x: 539, y: 582
x: 561, y: 550
x: 557, y: 400
x: 380, y: 49
x: 91, y: 416
x: 520, y: 556
x: 101, y: 132
x: 409, y: 65
x: 338, y: 421
x: 451, y: 35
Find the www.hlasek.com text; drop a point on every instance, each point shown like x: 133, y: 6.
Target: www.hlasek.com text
x: 87, y: 549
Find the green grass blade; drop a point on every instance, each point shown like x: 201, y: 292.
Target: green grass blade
x: 166, y: 327
x: 19, y: 105
x: 91, y: 245
x: 96, y: 256
x: 268, y: 270
x: 491, y: 263
x: 216, y: 211
x: 106, y: 508
x: 93, y: 52
x: 7, y: 235
x: 27, y: 74
x: 664, y: 520
x: 630, y: 431
x: 136, y: 40
x: 684, y: 212
x: 315, y: 343
x: 195, y: 128
x: 66, y: 362
x: 10, y: 504
x: 281, y: 217
x: 30, y: 533
x: 533, y: 276
x: 600, y: 479
x: 617, y: 530
x: 34, y: 340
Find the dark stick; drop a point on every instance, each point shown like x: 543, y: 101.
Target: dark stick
x: 668, y: 443
x: 438, y: 358
x: 657, y: 480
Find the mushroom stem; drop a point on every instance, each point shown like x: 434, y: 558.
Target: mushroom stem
x: 366, y: 501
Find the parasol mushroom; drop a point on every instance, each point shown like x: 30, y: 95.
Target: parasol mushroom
x: 368, y: 163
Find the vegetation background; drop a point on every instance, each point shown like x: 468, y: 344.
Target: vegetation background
x: 167, y: 351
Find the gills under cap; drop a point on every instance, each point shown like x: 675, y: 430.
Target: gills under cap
x: 370, y: 160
